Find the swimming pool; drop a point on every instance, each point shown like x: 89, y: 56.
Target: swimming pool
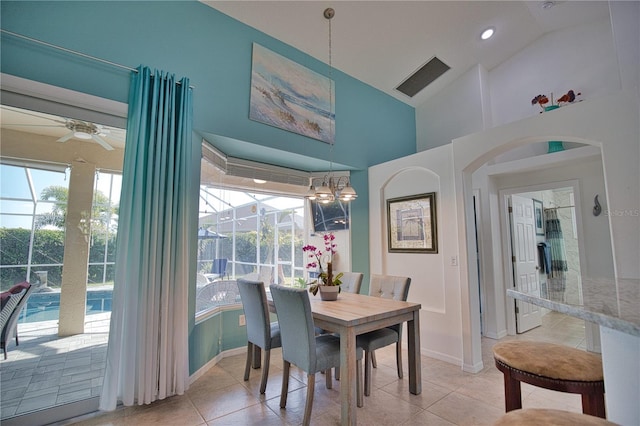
x: 46, y: 306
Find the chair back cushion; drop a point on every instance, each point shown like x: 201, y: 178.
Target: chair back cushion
x: 17, y: 288
x: 256, y: 312
x: 351, y: 281
x: 389, y: 287
x: 296, y: 326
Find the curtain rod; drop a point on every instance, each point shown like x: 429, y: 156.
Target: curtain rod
x: 73, y: 52
x: 561, y: 207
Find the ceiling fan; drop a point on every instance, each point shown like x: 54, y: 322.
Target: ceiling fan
x: 86, y: 131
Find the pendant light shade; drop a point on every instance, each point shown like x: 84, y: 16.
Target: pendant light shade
x: 332, y: 188
x: 348, y: 193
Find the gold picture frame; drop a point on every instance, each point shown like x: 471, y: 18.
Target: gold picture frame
x: 411, y: 224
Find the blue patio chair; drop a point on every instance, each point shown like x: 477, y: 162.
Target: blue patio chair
x: 219, y: 268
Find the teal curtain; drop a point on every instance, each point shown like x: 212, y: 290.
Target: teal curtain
x: 147, y: 356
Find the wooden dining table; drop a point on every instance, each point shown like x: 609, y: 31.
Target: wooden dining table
x: 354, y: 314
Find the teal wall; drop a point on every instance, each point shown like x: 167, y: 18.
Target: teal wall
x: 234, y: 336
x: 193, y: 40
x: 205, y: 342
x: 218, y: 333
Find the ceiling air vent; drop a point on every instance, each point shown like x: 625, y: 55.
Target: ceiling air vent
x: 423, y: 77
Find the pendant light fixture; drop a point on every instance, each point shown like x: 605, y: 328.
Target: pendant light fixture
x: 331, y: 187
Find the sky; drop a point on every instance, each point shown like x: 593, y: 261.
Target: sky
x: 18, y: 198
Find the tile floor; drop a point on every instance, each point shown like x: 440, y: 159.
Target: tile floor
x: 449, y: 395
x: 45, y: 370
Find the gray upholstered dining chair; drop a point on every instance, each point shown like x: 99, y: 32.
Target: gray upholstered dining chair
x: 302, y: 348
x: 351, y: 282
x: 389, y: 287
x: 260, y: 331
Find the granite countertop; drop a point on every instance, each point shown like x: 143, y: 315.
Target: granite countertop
x: 611, y: 303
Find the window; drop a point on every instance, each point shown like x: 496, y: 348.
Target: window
x: 40, y: 164
x: 257, y: 232
x: 33, y: 205
x: 104, y: 228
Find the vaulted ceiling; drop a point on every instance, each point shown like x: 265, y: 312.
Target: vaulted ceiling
x: 383, y: 42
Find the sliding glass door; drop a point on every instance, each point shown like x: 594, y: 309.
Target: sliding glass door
x: 59, y: 196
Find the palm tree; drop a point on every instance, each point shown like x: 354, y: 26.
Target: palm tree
x: 101, y: 212
x: 57, y: 216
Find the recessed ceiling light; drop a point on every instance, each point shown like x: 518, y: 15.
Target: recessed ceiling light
x: 259, y: 181
x: 486, y: 34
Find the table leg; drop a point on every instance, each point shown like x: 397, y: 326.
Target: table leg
x: 348, y: 376
x: 415, y: 368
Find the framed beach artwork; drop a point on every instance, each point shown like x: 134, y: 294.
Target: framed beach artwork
x: 287, y: 95
x: 411, y: 224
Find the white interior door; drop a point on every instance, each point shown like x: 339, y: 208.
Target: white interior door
x: 525, y: 261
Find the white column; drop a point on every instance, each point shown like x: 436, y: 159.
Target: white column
x: 73, y: 294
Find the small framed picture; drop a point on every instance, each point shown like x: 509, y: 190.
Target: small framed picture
x: 539, y: 216
x: 411, y: 224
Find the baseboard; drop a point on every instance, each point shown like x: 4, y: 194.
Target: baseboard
x: 496, y: 336
x: 442, y: 357
x: 213, y: 361
x: 475, y: 368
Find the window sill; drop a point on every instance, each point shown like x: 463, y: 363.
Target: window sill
x: 210, y: 313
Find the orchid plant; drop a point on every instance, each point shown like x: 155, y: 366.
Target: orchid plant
x: 321, y: 261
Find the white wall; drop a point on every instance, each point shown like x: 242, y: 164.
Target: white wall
x: 595, y: 232
x: 489, y: 247
x: 455, y: 111
x: 581, y: 58
x: 434, y: 282
x: 579, y: 168
x: 610, y: 123
x: 625, y: 16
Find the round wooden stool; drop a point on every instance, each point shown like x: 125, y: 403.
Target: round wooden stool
x: 539, y: 416
x: 550, y: 366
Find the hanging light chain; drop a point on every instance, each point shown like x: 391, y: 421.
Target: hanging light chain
x: 329, y: 13
x: 330, y: 188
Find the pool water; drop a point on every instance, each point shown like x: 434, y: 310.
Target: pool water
x: 46, y: 306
